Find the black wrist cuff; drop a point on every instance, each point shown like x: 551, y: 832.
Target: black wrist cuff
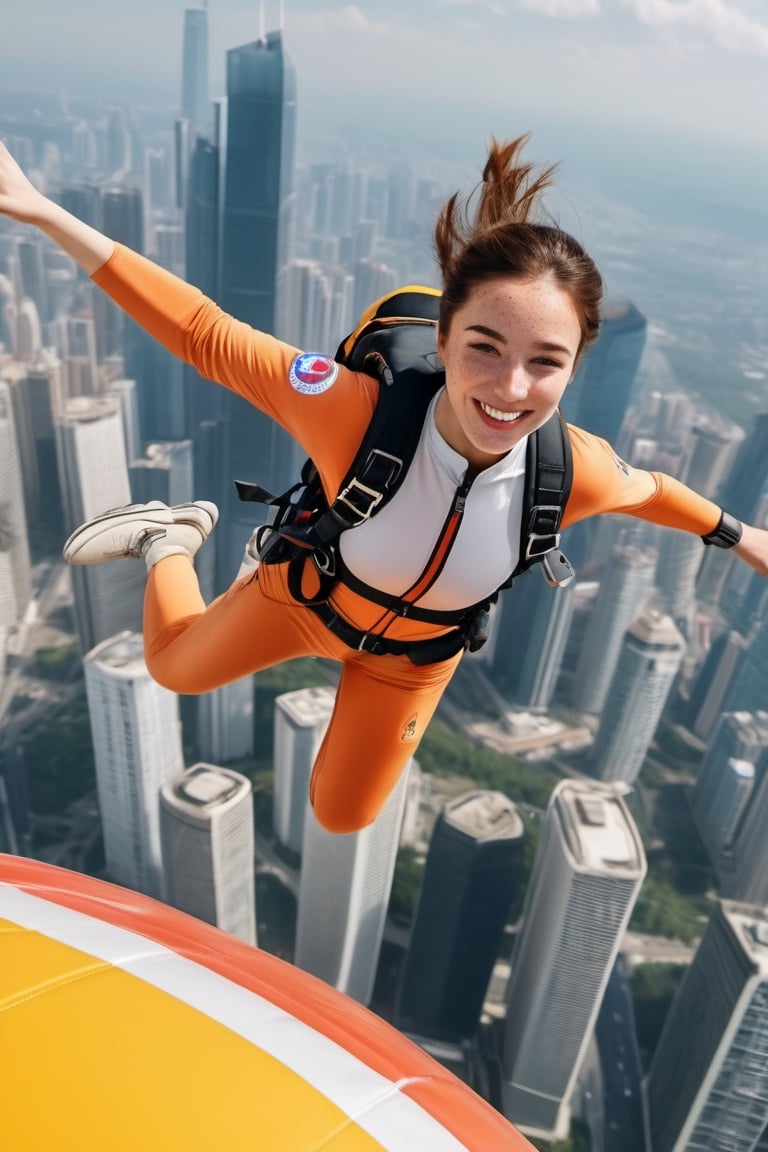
x: 727, y: 533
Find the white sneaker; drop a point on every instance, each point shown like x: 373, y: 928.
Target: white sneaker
x: 128, y: 531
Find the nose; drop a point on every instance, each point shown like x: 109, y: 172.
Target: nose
x: 516, y: 383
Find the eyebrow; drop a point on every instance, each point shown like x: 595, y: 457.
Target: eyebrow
x: 544, y: 345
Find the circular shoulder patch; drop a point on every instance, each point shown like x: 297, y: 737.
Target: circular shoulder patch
x: 311, y: 373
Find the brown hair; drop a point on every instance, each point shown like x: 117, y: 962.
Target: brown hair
x: 499, y: 238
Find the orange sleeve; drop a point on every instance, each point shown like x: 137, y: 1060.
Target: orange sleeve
x: 602, y: 483
x: 329, y: 425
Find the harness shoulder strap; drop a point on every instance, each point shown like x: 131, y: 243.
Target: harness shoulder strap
x: 401, y: 353
x: 549, y: 476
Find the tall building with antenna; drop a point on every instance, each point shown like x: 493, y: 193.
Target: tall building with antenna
x: 195, y: 102
x: 241, y: 192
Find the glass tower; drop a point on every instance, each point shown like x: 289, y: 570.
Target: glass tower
x: 238, y: 262
x: 472, y: 872
x: 599, y: 395
x: 195, y: 105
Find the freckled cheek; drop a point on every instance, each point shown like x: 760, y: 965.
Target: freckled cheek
x: 463, y: 378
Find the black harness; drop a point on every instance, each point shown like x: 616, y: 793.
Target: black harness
x: 397, y: 346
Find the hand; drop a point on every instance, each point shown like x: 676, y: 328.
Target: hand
x: 19, y: 199
x: 753, y: 548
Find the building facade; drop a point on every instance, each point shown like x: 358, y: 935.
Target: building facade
x: 708, y: 1082
x: 343, y: 896
x: 301, y: 718
x: 587, y: 875
x: 650, y: 656
x: 207, y: 839
x: 136, y: 746
x: 473, y: 870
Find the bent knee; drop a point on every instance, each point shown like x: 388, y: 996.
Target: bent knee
x: 181, y: 678
x: 339, y: 815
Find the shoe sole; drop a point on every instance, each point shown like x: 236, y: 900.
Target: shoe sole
x: 155, y: 514
x: 202, y: 515
x: 200, y: 506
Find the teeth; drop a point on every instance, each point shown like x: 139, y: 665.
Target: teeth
x: 506, y: 417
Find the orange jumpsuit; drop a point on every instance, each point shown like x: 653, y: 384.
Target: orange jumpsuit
x: 383, y: 703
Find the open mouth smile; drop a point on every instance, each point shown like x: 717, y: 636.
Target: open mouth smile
x: 498, y: 415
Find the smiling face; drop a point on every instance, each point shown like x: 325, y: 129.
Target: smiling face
x: 508, y: 355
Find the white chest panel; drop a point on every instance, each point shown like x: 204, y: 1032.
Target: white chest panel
x: 391, y: 550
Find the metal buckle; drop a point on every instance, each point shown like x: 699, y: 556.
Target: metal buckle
x: 554, y: 578
x: 531, y: 551
x: 374, y: 496
x: 324, y: 560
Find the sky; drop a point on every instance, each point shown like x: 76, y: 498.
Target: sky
x: 654, y: 110
x: 694, y: 70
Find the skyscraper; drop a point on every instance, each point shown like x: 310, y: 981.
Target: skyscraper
x: 747, y: 689
x: 713, y: 447
x: 746, y: 482
x: 531, y: 640
x: 712, y: 685
x: 343, y: 896
x: 650, y: 657
x: 164, y: 473
x: 600, y: 393
x: 136, y: 745
x: 44, y: 395
x: 708, y: 1082
x: 14, y: 376
x: 14, y: 543
x: 588, y: 871
x: 722, y: 788
x: 301, y: 719
x: 744, y: 866
x: 206, y: 832
x: 472, y: 872
x: 680, y: 556
x: 195, y: 104
x: 253, y: 198
x: 225, y: 722
x: 623, y: 591
x: 94, y: 477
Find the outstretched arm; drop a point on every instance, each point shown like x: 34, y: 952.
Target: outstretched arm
x: 20, y: 200
x: 753, y: 548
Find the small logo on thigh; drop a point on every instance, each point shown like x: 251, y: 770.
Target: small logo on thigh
x: 409, y: 728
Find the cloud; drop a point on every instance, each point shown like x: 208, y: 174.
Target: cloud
x: 561, y: 9
x: 719, y: 21
x: 350, y: 18
x: 489, y: 5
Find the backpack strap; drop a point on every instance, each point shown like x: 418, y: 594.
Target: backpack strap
x: 549, y: 476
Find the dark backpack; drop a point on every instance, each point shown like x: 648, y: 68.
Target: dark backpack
x: 395, y: 342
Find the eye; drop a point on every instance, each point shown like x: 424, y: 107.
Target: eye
x: 486, y: 349
x: 547, y: 362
